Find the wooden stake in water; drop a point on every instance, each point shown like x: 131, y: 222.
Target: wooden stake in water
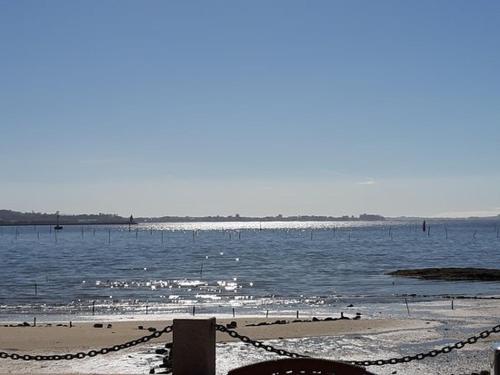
x: 452, y: 303
x: 311, y: 235
x: 407, y: 307
x: 267, y: 314
x: 194, y: 310
x: 38, y: 235
x: 136, y: 233
x: 36, y: 289
x: 233, y: 312
x: 297, y: 314
x: 446, y: 231
x: 239, y: 235
x: 109, y: 235
x: 34, y: 321
x: 93, y: 307
x: 147, y: 308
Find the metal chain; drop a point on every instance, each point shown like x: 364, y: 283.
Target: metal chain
x: 258, y: 344
x: 433, y: 353
x: 380, y: 362
x: 91, y: 353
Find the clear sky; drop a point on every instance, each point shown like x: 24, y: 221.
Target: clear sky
x: 250, y: 107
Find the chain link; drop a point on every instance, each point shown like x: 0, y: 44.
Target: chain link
x: 379, y: 362
x: 91, y: 353
x: 258, y: 344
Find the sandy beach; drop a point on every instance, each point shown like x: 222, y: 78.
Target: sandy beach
x: 368, y: 338
x: 83, y: 336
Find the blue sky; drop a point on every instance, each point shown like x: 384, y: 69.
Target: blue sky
x: 256, y: 107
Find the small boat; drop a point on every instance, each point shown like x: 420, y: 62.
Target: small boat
x: 58, y: 227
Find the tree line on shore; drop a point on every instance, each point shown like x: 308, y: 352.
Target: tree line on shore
x: 10, y: 217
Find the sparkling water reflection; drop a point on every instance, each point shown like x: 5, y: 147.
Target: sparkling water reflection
x: 253, y: 265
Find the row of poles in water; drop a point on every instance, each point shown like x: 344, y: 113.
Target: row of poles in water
x: 426, y: 229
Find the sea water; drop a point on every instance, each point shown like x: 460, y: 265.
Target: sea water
x: 250, y: 266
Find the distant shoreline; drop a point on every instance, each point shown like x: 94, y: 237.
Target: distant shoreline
x: 16, y: 218
x: 10, y: 218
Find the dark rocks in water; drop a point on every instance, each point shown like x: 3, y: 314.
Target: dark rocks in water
x: 140, y: 327
x: 233, y: 324
x: 258, y: 324
x: 109, y: 326
x: 350, y: 305
x: 152, y: 329
x: 161, y: 351
x: 98, y: 325
x: 450, y: 274
x: 313, y: 320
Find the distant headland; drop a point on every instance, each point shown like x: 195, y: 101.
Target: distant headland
x: 9, y: 217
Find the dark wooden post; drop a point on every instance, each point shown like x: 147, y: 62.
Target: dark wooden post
x: 194, y: 347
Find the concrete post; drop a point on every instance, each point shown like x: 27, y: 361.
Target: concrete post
x: 495, y: 358
x: 194, y: 347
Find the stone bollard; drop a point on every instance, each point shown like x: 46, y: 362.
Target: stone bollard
x: 495, y: 358
x: 194, y: 347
